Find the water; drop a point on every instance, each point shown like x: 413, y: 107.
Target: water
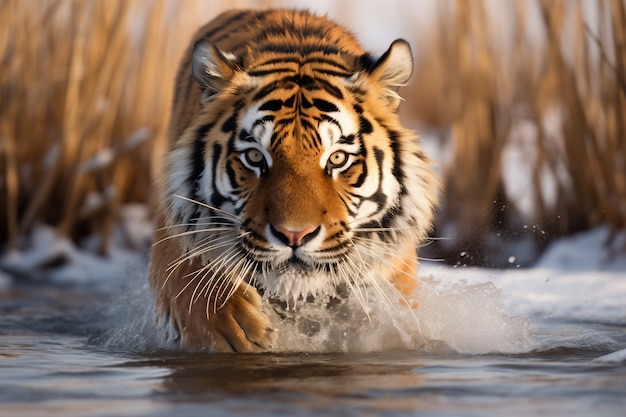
x: 80, y: 350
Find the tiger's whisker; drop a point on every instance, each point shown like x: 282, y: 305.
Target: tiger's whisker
x: 206, y: 221
x: 199, y: 250
x: 213, y: 208
x: 191, y: 232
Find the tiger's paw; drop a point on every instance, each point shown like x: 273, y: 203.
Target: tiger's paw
x: 240, y: 325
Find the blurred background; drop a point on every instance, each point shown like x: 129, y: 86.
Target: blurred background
x: 522, y: 104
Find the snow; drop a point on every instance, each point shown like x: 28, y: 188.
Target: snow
x: 577, y: 278
x: 619, y: 356
x: 47, y: 256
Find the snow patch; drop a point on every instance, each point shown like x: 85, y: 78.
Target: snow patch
x: 619, y: 356
x: 46, y: 256
x: 580, y: 277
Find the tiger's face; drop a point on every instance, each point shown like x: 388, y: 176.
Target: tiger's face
x: 300, y: 179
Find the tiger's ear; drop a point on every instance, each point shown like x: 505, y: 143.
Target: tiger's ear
x: 212, y: 68
x: 391, y: 70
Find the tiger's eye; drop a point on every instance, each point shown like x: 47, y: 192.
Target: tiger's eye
x: 254, y: 157
x: 338, y: 159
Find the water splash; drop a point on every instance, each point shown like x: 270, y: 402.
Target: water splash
x: 472, y: 318
x: 462, y: 318
x: 128, y: 322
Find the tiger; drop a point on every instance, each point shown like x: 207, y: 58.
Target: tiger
x: 288, y: 175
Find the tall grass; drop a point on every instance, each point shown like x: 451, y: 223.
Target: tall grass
x: 553, y: 90
x: 85, y: 91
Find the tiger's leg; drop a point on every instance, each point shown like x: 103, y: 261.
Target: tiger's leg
x: 239, y: 324
x: 403, y: 276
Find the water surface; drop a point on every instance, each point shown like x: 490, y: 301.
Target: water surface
x: 60, y: 356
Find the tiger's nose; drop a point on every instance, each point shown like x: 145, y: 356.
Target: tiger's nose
x: 294, y: 238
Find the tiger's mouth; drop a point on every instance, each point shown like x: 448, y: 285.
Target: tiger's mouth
x: 296, y: 278
x: 299, y: 266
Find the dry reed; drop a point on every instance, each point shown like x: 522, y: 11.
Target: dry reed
x: 85, y: 90
x: 567, y: 91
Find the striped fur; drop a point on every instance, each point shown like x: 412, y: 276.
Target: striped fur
x: 289, y: 175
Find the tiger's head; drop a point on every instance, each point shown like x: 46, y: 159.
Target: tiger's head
x: 295, y: 174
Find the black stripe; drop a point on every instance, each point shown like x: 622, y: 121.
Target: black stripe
x: 301, y: 80
x: 325, y: 106
x: 290, y: 101
x: 349, y: 140
x: 197, y: 158
x: 277, y: 140
x: 379, y: 197
x: 347, y: 206
x: 397, y: 170
x: 362, y: 177
x: 261, y: 73
x: 311, y: 141
x: 282, y: 48
x: 232, y: 176
x: 245, y: 136
x: 267, y: 90
x: 323, y: 60
x: 334, y: 73
x: 331, y: 89
x: 334, y: 249
x: 334, y: 236
x: 202, y: 131
x: 388, y: 218
x: 217, y: 199
x: 365, y: 126
x: 367, y: 61
x: 251, y: 238
x: 383, y: 235
x: 272, y: 105
x: 306, y: 124
x: 193, y: 219
x: 264, y: 119
x: 280, y: 60
x: 230, y: 125
x: 285, y: 121
x: 304, y: 103
x: 356, y: 90
x: 318, y: 142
